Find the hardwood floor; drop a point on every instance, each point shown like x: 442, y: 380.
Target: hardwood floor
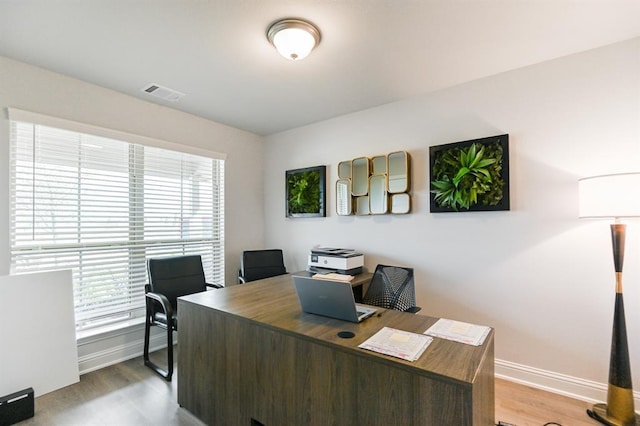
x: 526, y: 406
x: 131, y: 394
x: 120, y: 395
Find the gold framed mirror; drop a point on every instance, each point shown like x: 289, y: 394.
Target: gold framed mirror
x: 362, y: 205
x: 400, y: 203
x: 378, y: 199
x: 374, y: 185
x: 398, y: 172
x: 344, y: 170
x: 360, y: 176
x: 343, y: 197
x: 379, y: 165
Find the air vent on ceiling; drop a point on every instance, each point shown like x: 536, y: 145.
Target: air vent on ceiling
x: 163, y: 92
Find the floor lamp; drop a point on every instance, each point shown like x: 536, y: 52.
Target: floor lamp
x: 614, y: 196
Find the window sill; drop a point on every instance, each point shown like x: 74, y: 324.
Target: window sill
x: 111, y: 330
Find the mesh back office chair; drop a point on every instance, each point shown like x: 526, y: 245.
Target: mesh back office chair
x: 259, y: 264
x: 392, y: 287
x: 169, y: 278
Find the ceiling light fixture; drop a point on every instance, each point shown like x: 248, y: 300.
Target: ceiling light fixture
x: 293, y: 38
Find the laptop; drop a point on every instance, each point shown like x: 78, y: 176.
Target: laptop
x: 330, y: 299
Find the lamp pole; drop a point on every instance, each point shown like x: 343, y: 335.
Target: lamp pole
x: 619, y: 409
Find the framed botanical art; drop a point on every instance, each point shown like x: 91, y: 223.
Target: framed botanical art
x: 306, y: 192
x: 470, y: 175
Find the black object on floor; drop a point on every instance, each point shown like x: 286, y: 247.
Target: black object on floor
x: 16, y: 407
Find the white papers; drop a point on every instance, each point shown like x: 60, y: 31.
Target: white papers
x: 462, y: 332
x: 332, y: 276
x: 398, y: 343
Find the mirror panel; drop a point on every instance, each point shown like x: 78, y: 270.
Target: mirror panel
x: 376, y: 185
x: 362, y: 205
x: 379, y: 165
x: 344, y: 170
x: 398, y: 167
x: 360, y: 176
x: 400, y: 203
x: 343, y: 196
x: 378, y: 199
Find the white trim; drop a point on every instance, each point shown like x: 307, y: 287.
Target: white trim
x: 133, y: 338
x: 120, y: 328
x: 573, y: 387
x: 16, y: 114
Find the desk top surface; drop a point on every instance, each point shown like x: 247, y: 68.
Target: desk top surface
x: 273, y: 303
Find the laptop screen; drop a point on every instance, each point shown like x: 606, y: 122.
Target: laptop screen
x: 329, y: 298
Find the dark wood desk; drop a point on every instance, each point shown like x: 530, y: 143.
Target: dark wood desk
x: 250, y: 356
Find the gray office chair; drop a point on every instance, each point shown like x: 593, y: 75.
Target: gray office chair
x: 259, y: 264
x: 169, y: 278
x: 392, y: 287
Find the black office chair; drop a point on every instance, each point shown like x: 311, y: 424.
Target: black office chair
x: 259, y: 264
x: 169, y: 278
x: 392, y: 287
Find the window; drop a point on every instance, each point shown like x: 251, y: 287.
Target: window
x: 102, y: 206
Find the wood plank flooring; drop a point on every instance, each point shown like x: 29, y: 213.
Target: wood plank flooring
x: 526, y: 406
x: 124, y: 394
x: 131, y: 394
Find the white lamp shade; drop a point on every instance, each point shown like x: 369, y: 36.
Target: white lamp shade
x: 609, y: 196
x: 293, y: 38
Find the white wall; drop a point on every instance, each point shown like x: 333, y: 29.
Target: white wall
x: 543, y: 278
x: 540, y: 276
x: 37, y: 90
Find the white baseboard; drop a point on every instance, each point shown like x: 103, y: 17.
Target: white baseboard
x: 114, y: 347
x: 561, y: 384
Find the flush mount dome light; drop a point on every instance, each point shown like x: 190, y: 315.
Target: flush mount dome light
x: 293, y: 38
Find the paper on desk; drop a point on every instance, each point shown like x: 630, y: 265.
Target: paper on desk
x: 401, y: 344
x: 462, y: 332
x: 332, y: 276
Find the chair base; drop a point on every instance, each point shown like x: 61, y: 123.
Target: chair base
x: 166, y: 374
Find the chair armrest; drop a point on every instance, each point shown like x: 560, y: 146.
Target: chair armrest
x: 164, y: 302
x: 413, y: 309
x: 213, y: 285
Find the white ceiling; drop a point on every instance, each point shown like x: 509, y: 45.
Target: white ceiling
x: 372, y: 51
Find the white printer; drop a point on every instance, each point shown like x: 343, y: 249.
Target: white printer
x: 338, y: 260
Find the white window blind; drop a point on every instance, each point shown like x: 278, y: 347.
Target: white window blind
x: 102, y: 206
